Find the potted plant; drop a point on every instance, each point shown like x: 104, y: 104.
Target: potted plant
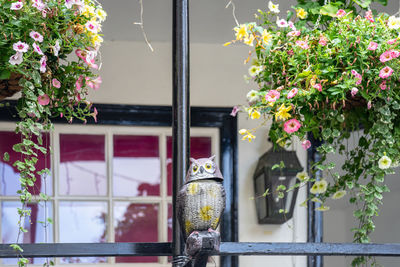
x: 48, y: 51
x: 331, y: 82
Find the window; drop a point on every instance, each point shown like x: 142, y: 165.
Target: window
x: 111, y: 184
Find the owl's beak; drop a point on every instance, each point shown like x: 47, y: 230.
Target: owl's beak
x: 201, y: 169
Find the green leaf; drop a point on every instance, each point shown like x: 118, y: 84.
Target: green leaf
x: 363, y: 3
x: 329, y: 10
x: 266, y: 192
x: 5, y: 75
x: 6, y: 156
x: 16, y: 247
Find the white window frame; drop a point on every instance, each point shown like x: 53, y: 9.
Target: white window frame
x: 109, y: 130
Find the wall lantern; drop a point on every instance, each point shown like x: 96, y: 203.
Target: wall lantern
x: 268, y: 207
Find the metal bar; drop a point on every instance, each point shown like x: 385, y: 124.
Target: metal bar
x: 315, y: 218
x: 180, y: 110
x: 226, y: 249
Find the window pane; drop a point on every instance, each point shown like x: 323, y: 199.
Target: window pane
x: 135, y: 223
x: 83, y: 222
x: 37, y: 232
x: 200, y: 147
x: 136, y: 166
x: 82, y: 165
x: 9, y: 176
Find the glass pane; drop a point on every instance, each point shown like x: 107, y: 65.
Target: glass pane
x: 200, y: 147
x: 83, y: 222
x: 9, y: 176
x: 136, y: 166
x: 37, y: 232
x: 135, y: 223
x: 82, y: 165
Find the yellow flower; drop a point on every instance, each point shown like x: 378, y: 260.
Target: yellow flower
x: 319, y: 187
x: 88, y: 11
x: 301, y: 13
x: 266, y: 37
x: 241, y: 32
x: 255, y: 70
x: 242, y: 131
x: 282, y: 113
x: 249, y: 40
x: 273, y: 7
x: 101, y: 14
x: 255, y: 115
x: 247, y: 135
x: 315, y: 199
x: 339, y: 194
x: 302, y: 176
x: 97, y: 40
x: 227, y: 43
x: 323, y: 208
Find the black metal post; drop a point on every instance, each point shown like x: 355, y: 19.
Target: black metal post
x: 181, y: 112
x: 315, y: 218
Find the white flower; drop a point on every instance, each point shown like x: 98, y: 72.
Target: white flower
x: 92, y: 26
x: 273, y: 8
x: 20, y: 47
x: 393, y: 22
x: 302, y: 176
x: 56, y: 48
x: 339, y: 194
x: 384, y: 162
x: 43, y: 64
x: 16, y: 59
x: 319, y: 187
x: 16, y: 6
x: 101, y: 14
x: 282, y: 23
x: 254, y: 70
x: 37, y: 49
x: 252, y: 96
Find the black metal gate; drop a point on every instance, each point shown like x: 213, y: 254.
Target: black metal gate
x: 181, y: 122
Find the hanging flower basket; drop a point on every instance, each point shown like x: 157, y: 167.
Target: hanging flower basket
x: 48, y: 53
x: 10, y: 86
x: 330, y: 83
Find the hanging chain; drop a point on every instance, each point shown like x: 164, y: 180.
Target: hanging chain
x: 320, y: 15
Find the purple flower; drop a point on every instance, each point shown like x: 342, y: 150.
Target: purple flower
x: 36, y: 36
x: 16, y: 59
x: 37, y: 49
x: 43, y: 64
x: 354, y: 91
x: 56, y: 48
x: 20, y: 47
x: 16, y: 6
x: 235, y: 110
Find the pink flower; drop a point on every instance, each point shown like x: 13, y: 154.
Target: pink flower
x: 69, y: 3
x: 16, y: 6
x: 94, y: 84
x: 78, y: 83
x: 323, y: 40
x: 369, y: 16
x: 272, y: 95
x: 394, y: 53
x: 294, y: 33
x: 306, y: 144
x: 37, y: 49
x: 292, y: 126
x: 282, y: 23
x: 354, y: 91
x: 36, y: 36
x: 16, y: 59
x: 340, y: 13
x: 383, y: 85
x: 56, y: 83
x: 372, y: 46
x: 94, y: 114
x: 386, y: 56
x: 369, y: 105
x: 292, y: 93
x: 39, y: 5
x: 92, y: 26
x: 291, y: 25
x: 391, y: 41
x: 235, y: 110
x: 385, y: 72
x: 318, y: 86
x: 302, y: 44
x: 21, y: 47
x: 43, y: 100
x: 43, y: 64
x: 357, y: 76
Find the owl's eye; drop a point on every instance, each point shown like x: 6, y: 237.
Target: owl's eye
x: 195, y: 168
x: 208, y: 166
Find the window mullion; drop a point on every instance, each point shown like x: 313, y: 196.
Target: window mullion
x: 109, y: 161
x: 163, y: 215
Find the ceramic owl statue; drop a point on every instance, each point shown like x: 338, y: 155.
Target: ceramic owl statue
x: 201, y: 201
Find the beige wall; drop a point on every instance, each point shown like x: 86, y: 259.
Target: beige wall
x: 134, y: 75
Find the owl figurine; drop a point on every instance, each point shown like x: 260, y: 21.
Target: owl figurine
x: 201, y: 200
